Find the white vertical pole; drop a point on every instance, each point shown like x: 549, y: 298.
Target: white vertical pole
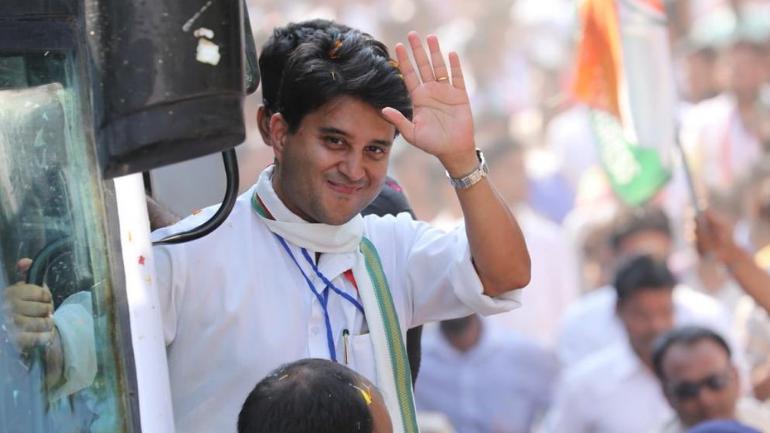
x: 149, y: 347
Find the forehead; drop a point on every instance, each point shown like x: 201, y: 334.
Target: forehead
x: 351, y: 115
x: 746, y: 49
x: 652, y: 298
x: 693, y: 362
x: 646, y: 241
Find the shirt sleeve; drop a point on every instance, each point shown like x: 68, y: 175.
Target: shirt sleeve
x: 75, y: 323
x: 439, y: 274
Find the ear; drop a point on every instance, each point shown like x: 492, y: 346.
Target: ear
x: 279, y: 132
x: 263, y: 124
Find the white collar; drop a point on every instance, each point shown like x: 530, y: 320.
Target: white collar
x: 317, y: 237
x: 625, y: 362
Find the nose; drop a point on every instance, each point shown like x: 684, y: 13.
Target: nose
x: 353, y: 167
x: 709, y: 400
x: 661, y: 322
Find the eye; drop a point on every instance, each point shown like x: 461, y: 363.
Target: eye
x: 377, y: 151
x: 334, y: 142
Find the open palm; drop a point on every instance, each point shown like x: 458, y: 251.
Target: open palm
x: 442, y: 124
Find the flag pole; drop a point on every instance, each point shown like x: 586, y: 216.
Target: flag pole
x: 696, y: 202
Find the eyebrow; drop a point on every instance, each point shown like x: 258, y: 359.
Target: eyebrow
x: 333, y: 130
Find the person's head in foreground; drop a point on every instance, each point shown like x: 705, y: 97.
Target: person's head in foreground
x: 698, y: 378
x: 645, y: 303
x: 722, y: 426
x: 314, y: 396
x: 330, y: 139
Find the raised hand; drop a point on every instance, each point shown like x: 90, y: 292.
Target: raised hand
x: 714, y: 237
x: 442, y: 124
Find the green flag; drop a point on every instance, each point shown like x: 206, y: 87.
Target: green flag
x: 635, y: 172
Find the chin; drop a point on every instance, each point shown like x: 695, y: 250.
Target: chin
x: 339, y: 213
x: 335, y: 218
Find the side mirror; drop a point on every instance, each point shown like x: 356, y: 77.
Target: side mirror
x: 168, y: 80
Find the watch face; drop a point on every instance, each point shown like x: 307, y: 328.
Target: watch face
x: 482, y: 161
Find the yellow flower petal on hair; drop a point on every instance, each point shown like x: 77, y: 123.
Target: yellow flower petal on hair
x: 333, y: 51
x: 365, y: 394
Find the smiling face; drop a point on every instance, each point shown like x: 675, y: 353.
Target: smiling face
x: 335, y: 163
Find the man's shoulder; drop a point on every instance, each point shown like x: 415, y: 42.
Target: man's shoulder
x: 719, y: 105
x: 504, y: 340
x: 391, y: 228
x: 671, y: 425
x: 602, y: 371
x: 598, y: 302
x: 694, y: 305
x: 754, y: 413
x: 523, y: 351
x: 241, y: 214
x: 596, y: 363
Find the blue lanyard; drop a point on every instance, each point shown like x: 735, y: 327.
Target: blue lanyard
x: 323, y: 297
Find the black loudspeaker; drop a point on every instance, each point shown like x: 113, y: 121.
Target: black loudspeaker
x: 169, y: 78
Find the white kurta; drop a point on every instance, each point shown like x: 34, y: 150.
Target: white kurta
x: 235, y: 306
x: 608, y: 392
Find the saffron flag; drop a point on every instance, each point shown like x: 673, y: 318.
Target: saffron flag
x: 624, y: 74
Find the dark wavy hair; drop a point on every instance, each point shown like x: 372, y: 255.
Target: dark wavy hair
x: 328, y: 66
x: 307, y: 396
x: 275, y: 52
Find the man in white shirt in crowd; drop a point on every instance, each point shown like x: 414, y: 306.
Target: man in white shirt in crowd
x: 701, y: 382
x: 590, y: 324
x: 615, y: 389
x: 484, y: 378
x: 724, y: 135
x: 296, y: 272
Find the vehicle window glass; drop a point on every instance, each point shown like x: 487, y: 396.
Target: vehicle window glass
x: 52, y: 213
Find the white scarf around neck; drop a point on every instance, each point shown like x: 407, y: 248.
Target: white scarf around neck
x: 345, y: 238
x: 317, y: 237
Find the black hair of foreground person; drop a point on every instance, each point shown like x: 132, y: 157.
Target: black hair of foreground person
x: 309, y: 396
